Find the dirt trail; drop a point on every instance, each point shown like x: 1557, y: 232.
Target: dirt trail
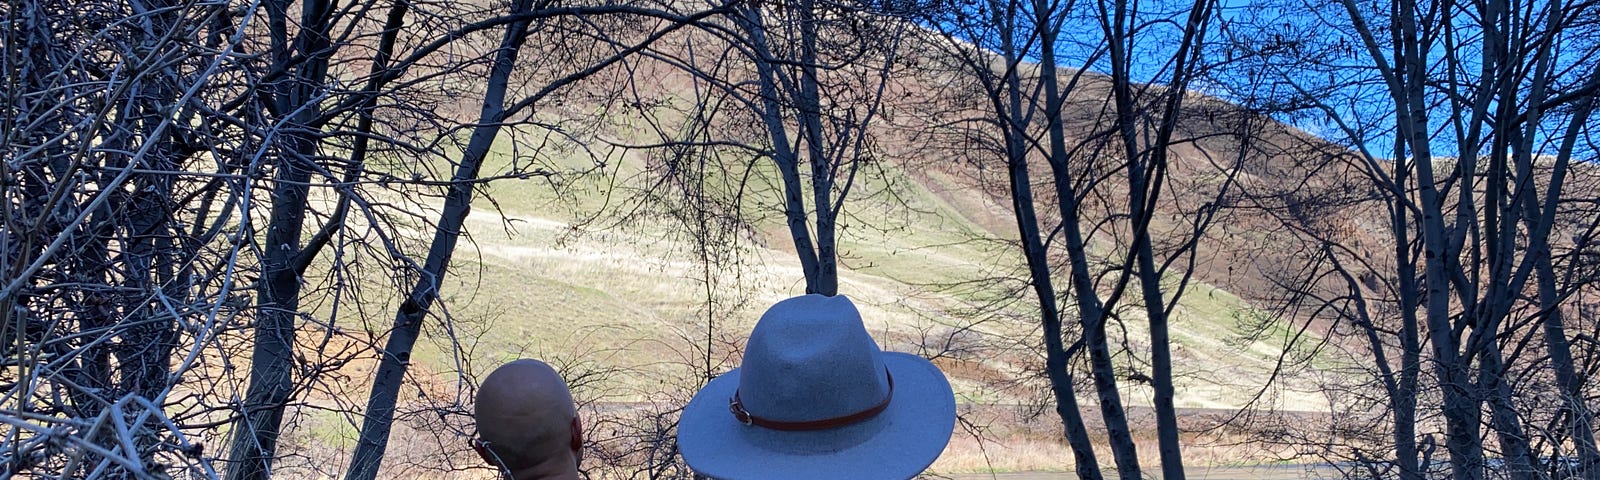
x: 1265, y: 472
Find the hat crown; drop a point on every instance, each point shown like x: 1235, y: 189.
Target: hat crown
x: 810, y: 358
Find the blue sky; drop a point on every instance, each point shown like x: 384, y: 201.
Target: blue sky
x: 1318, y: 58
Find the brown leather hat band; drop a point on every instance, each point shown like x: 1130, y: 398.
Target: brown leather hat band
x: 737, y: 407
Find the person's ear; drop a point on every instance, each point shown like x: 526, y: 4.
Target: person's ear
x: 577, y: 438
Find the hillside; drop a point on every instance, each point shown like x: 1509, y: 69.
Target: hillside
x: 288, y: 239
x: 637, y: 317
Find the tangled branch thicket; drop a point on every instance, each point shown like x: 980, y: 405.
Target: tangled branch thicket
x: 219, y: 218
x: 206, y: 204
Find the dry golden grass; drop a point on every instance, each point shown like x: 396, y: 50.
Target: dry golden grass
x: 1017, y: 439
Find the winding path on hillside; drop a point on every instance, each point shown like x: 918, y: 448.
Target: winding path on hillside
x: 1263, y: 472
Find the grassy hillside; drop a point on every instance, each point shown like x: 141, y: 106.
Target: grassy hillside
x: 586, y: 271
x: 542, y: 285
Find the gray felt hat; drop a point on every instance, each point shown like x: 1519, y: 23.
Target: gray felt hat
x: 815, y: 398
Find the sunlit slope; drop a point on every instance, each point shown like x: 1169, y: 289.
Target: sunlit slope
x: 924, y: 259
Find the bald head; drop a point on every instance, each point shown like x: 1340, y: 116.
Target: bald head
x: 526, y: 416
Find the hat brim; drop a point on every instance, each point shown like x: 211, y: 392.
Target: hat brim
x: 898, y: 443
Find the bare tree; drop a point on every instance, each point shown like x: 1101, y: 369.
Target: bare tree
x: 1128, y: 139
x: 826, y: 66
x: 1146, y: 169
x: 1005, y: 27
x: 1457, y: 115
x: 113, y: 245
x: 177, y: 176
x: 496, y: 111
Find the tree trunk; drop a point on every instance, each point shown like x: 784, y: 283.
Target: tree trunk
x: 1404, y: 400
x: 1581, y: 421
x: 1146, y: 170
x: 784, y: 154
x: 1503, y: 416
x: 1405, y: 85
x: 1056, y: 356
x: 1059, y: 373
x: 1143, y: 210
x: 809, y: 112
x: 1091, y: 313
x: 379, y: 418
x: 255, y: 436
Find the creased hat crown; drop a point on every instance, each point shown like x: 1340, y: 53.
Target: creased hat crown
x: 810, y: 358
